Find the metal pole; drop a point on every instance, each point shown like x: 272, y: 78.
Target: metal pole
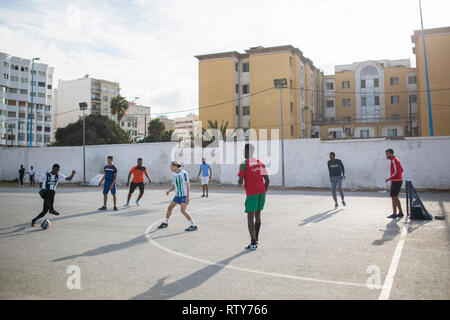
x: 84, y: 148
x: 145, y: 127
x: 282, y: 138
x: 32, y: 93
x: 430, y: 117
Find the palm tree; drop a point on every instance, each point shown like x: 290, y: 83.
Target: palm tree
x: 214, y: 126
x: 119, y: 106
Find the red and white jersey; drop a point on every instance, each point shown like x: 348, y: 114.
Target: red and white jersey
x: 396, y: 170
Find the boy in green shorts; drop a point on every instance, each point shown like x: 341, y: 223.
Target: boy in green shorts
x: 256, y: 181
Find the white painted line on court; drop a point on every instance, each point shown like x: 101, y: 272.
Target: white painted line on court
x: 387, y: 286
x: 279, y: 275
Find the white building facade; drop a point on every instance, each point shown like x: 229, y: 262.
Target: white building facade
x: 97, y: 93
x: 16, y: 109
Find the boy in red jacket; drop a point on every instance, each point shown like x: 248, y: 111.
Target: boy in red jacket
x: 396, y: 183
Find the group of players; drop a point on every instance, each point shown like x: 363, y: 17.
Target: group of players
x: 252, y: 173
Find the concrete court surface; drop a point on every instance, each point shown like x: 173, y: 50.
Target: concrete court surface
x: 307, y: 249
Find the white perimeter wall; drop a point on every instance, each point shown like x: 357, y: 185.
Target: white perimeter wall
x: 425, y: 161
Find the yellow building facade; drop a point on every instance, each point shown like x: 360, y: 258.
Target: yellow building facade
x: 370, y: 99
x: 437, y: 43
x: 238, y: 89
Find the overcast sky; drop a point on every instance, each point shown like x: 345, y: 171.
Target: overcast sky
x: 149, y: 46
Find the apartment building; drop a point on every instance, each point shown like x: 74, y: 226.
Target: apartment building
x: 16, y: 109
x: 185, y: 126
x: 437, y: 43
x: 97, y: 93
x: 370, y: 99
x: 238, y: 89
x: 136, y: 120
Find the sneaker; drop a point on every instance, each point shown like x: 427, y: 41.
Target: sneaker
x: 202, y: 196
x: 207, y: 196
x: 343, y: 203
x: 56, y: 213
x: 191, y: 228
x: 115, y: 209
x: 163, y: 225
x: 252, y: 246
x: 126, y: 204
x: 33, y: 223
x: 400, y: 215
x: 392, y: 216
x: 102, y: 208
x: 336, y: 205
x: 137, y: 203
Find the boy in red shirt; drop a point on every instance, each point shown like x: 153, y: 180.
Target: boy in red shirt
x: 256, y: 181
x: 396, y: 183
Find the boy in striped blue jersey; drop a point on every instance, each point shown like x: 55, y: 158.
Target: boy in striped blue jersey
x: 182, y: 188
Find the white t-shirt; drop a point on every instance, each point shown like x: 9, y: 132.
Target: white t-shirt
x: 53, y: 183
x: 31, y: 172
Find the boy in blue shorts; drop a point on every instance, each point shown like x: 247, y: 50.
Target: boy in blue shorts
x: 182, y: 188
x: 110, y: 178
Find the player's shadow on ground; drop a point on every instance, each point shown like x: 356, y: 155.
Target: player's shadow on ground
x: 162, y: 291
x: 134, y: 213
x: 117, y: 246
x: 389, y: 234
x: 319, y: 217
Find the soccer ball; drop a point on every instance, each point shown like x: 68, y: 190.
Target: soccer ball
x: 45, y: 224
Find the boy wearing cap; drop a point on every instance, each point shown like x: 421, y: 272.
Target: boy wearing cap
x: 182, y: 187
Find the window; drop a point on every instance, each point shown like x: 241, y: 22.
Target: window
x: 292, y: 131
x: 394, y: 99
x: 236, y: 66
x: 246, y: 89
x: 22, y: 115
x: 23, y: 80
x: 41, y: 95
x: 375, y: 83
x: 292, y: 107
x: 394, y: 81
x: 329, y: 85
x: 23, y: 91
x: 413, y: 98
x: 246, y: 111
x: 12, y: 90
x: 363, y: 84
x: 42, y: 73
x: 237, y: 110
x: 290, y: 83
x: 47, y: 139
x: 38, y: 138
x: 32, y: 83
x: 392, y: 132
x: 48, y: 119
x: 346, y: 102
x: 11, y: 114
x: 105, y: 98
x: 345, y: 84
x: 245, y: 67
x: 41, y: 84
x: 377, y: 100
x: 290, y: 61
x: 14, y: 78
x: 38, y: 128
x: 347, y: 119
x: 5, y: 76
x: 363, y: 101
x: 237, y: 88
x: 395, y: 117
x: 330, y: 103
x: 412, y: 80
x: 49, y: 86
x: 364, y: 133
x: 21, y: 136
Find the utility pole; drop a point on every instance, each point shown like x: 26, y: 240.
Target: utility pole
x: 280, y: 84
x: 430, y: 116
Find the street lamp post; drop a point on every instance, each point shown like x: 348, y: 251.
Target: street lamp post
x: 135, y: 99
x: 84, y: 106
x: 430, y: 116
x: 280, y: 84
x: 32, y: 93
